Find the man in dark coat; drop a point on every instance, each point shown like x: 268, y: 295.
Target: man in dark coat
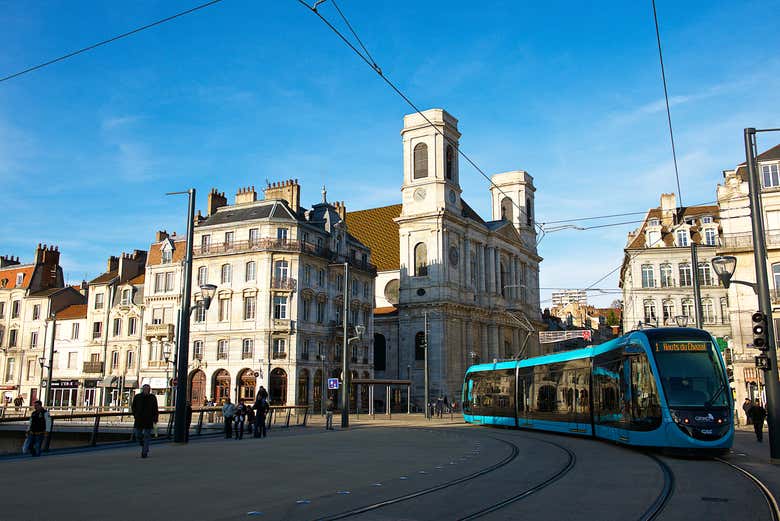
x: 746, y: 405
x: 145, y: 413
x: 757, y: 415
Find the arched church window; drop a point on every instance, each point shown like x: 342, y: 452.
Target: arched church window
x: 529, y: 212
x: 420, y: 161
x: 506, y: 209
x: 450, y: 170
x: 420, y: 260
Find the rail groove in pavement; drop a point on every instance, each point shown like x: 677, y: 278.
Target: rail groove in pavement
x: 774, y: 509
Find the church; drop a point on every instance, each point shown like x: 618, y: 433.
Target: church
x: 449, y: 282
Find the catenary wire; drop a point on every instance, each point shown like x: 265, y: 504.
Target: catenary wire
x: 666, y: 97
x: 110, y: 40
x: 378, y: 70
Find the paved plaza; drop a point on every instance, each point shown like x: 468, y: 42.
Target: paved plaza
x: 421, y: 469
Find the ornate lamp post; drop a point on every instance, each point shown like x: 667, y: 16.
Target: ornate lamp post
x: 681, y: 320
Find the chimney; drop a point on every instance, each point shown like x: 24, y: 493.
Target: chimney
x: 668, y: 208
x: 37, y: 259
x: 341, y: 209
x: 246, y: 195
x: 289, y: 191
x: 8, y: 260
x: 113, y: 263
x: 215, y: 200
x: 160, y: 235
x: 50, y: 258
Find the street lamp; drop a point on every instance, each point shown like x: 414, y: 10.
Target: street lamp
x: 167, y: 350
x: 724, y: 266
x: 681, y: 320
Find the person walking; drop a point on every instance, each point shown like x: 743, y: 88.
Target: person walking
x: 38, y: 428
x: 228, y: 411
x: 240, y: 416
x: 330, y: 406
x: 746, y: 405
x: 261, y: 407
x: 18, y: 402
x: 757, y: 415
x: 439, y: 406
x: 145, y: 415
x: 250, y: 419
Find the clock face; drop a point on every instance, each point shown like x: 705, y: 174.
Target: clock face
x: 453, y: 196
x: 454, y: 255
x: 419, y: 194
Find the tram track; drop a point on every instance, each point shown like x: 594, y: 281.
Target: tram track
x: 774, y: 508
x: 667, y: 490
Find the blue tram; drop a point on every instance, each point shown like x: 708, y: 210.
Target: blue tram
x: 663, y: 387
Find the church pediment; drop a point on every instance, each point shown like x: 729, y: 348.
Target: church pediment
x: 506, y: 231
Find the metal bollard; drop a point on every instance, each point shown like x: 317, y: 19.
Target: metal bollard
x: 95, y: 428
x: 287, y: 423
x: 200, y: 423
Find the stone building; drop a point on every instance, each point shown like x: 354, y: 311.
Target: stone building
x: 30, y: 296
x: 656, y: 275
x: 474, y: 283
x: 738, y: 241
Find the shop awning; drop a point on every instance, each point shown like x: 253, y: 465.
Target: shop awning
x: 108, y: 381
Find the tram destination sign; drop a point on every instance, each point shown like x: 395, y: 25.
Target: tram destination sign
x: 681, y: 347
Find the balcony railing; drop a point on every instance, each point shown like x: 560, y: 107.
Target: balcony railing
x: 279, y: 355
x: 159, y: 331
x: 222, y: 356
x: 304, y: 356
x: 286, y: 283
x: 93, y: 367
x: 745, y: 240
x: 282, y: 325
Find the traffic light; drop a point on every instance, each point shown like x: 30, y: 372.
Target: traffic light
x: 759, y: 331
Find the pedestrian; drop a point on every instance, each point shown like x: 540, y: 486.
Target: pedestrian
x: 261, y: 407
x: 757, y: 415
x: 228, y: 411
x: 239, y: 417
x: 145, y: 415
x: 250, y: 419
x: 188, y: 418
x: 746, y: 405
x: 18, y: 402
x: 38, y: 429
x: 447, y: 405
x: 262, y: 393
x: 439, y: 406
x: 330, y: 406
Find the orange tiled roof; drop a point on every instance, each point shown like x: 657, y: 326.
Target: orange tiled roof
x: 9, y: 274
x: 387, y: 310
x: 74, y: 311
x: 104, y: 277
x: 155, y: 254
x: 376, y: 229
x: 138, y: 280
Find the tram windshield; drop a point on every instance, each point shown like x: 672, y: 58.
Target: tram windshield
x: 690, y: 372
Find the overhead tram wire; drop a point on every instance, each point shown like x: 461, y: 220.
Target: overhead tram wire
x: 666, y: 97
x: 110, y: 40
x: 608, y: 216
x: 376, y: 68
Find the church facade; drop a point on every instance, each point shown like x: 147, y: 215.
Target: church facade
x: 464, y: 289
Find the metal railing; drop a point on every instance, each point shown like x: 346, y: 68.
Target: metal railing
x: 93, y: 367
x: 745, y: 240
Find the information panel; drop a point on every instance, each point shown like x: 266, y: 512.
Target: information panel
x: 681, y: 347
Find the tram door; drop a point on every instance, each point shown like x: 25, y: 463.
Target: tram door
x: 524, y: 397
x: 625, y: 400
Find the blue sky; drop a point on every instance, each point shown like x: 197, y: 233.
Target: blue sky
x: 247, y: 91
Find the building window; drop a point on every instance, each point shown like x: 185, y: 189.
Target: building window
x: 420, y: 161
x: 228, y: 240
x: 682, y: 238
x: 650, y: 313
x: 130, y: 360
x: 30, y: 369
x: 34, y: 339
x: 321, y: 278
x: 319, y: 243
x: 98, y: 301
x: 97, y: 330
x: 205, y: 243
x: 339, y: 281
x: 203, y: 275
x: 166, y: 256
x: 169, y: 281
x: 117, y: 326
x: 705, y: 274
x: 281, y: 270
x: 132, y: 326
x: 159, y: 284
x: 654, y: 222
x: 197, y: 350
x: 686, y: 277
x: 2, y: 309
x: 114, y: 359
x: 16, y: 307
x: 770, y: 175
x: 707, y: 219
x: 710, y: 237
x: 420, y: 260
x: 306, y: 309
x: 450, y: 159
x: 307, y: 275
x: 10, y: 369
x: 666, y: 276
x: 224, y: 309
x: 254, y: 235
x: 247, y: 348
x: 724, y: 310
x: 306, y: 348
x: 280, y: 307
x: 668, y: 310
x: 249, y: 271
x: 72, y: 360
x: 126, y: 294
x: 365, y: 290
x: 281, y: 234
x: 250, y: 304
x: 355, y: 287
x: 653, y: 238
x: 12, y: 337
x: 320, y: 312
x: 687, y: 309
x: 648, y: 276
x: 226, y: 274
x: 708, y: 311
x: 19, y: 279
x: 200, y: 314
x: 74, y: 331
x: 222, y: 350
x: 280, y: 348
x: 419, y: 346
x: 36, y: 312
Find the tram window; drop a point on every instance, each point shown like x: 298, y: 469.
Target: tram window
x: 645, y: 408
x: 490, y: 393
x: 607, y: 385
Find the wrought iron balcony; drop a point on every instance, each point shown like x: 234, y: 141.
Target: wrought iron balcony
x: 286, y: 284
x: 159, y: 331
x: 278, y: 355
x: 745, y: 240
x: 93, y: 367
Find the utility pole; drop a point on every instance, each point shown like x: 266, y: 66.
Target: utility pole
x: 764, y: 301
x: 696, y: 284
x: 345, y: 379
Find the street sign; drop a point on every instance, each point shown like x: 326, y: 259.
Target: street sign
x: 333, y: 383
x: 762, y: 362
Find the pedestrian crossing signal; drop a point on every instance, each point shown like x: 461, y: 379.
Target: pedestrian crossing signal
x: 759, y: 331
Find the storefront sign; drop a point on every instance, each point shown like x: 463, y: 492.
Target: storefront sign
x: 155, y: 383
x: 89, y: 384
x: 70, y: 384
x: 7, y: 387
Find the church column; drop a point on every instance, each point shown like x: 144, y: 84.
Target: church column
x: 491, y: 267
x: 467, y: 261
x: 481, y: 267
x: 497, y: 269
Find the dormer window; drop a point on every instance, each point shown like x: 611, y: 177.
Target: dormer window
x: 682, y: 238
x: 167, y: 255
x: 770, y: 175
x: 126, y: 297
x: 653, y: 238
x: 707, y: 219
x: 654, y: 222
x: 19, y: 278
x: 710, y: 237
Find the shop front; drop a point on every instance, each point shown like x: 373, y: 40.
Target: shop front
x: 64, y: 393
x: 90, y: 393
